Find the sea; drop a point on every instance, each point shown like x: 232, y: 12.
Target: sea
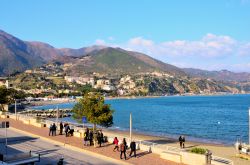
x: 212, y: 119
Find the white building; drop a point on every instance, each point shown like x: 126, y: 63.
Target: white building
x: 80, y: 80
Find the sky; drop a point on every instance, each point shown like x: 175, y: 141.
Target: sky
x: 207, y: 34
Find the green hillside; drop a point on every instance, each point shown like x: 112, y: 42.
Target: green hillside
x: 116, y: 61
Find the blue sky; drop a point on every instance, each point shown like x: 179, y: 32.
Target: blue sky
x: 212, y: 34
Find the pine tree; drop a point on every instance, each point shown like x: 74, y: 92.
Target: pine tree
x: 92, y: 106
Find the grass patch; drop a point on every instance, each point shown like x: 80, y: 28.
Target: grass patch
x: 198, y: 150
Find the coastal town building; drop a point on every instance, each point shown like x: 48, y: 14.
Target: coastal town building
x: 127, y: 83
x: 5, y: 82
x: 80, y: 80
x: 104, y: 84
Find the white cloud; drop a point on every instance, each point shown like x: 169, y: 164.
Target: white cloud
x: 140, y: 42
x: 111, y: 38
x: 210, y: 52
x: 100, y: 42
x: 209, y: 46
x: 244, y: 49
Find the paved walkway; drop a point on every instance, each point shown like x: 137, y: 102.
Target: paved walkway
x: 143, y: 157
x: 49, y: 152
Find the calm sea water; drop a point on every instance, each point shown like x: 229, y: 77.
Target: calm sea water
x: 218, y: 119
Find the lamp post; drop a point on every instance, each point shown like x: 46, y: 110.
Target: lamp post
x: 15, y: 110
x: 6, y: 139
x: 249, y: 127
x: 57, y: 116
x: 130, y: 130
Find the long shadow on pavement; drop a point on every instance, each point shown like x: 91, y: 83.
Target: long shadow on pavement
x: 17, y: 140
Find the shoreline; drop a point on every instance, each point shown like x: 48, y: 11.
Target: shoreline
x: 150, y: 137
x: 178, y: 95
x: 61, y: 101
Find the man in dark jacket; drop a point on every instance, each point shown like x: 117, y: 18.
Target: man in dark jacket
x: 133, y: 148
x: 54, y: 129
x: 66, y: 129
x: 61, y: 128
x: 180, y: 140
x: 183, y: 141
x: 90, y: 138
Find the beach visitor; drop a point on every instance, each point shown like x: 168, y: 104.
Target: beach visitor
x: 183, y: 141
x: 102, y: 139
x: 50, y: 130
x: 116, y: 141
x: 54, y: 129
x: 90, y: 138
x: 99, y: 140
x: 95, y: 138
x: 180, y: 140
x: 61, y: 128
x: 123, y: 148
x: 71, y: 132
x: 85, y: 137
x: 66, y: 129
x: 133, y: 148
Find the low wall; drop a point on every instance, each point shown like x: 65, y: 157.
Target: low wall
x: 174, y: 157
x: 191, y: 158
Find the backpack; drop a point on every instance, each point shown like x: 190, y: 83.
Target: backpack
x: 122, y: 147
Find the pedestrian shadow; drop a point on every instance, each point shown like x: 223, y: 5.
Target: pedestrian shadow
x: 45, y: 152
x: 138, y: 155
x: 191, y: 146
x: 107, y: 144
x: 162, y: 141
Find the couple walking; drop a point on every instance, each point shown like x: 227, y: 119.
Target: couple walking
x: 52, y: 129
x: 182, y: 141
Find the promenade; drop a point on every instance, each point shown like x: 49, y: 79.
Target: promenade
x: 143, y: 157
x: 50, y: 153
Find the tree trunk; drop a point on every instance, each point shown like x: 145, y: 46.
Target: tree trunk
x: 95, y: 135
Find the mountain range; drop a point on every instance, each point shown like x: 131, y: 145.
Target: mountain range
x: 17, y: 55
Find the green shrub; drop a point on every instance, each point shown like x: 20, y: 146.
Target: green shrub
x: 198, y: 150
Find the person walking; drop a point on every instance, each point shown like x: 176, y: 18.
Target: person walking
x: 123, y: 149
x: 66, y: 129
x: 54, y: 129
x: 85, y: 138
x: 183, y: 141
x: 116, y: 142
x: 90, y: 138
x: 180, y: 140
x: 133, y: 148
x: 50, y: 130
x: 99, y: 140
x: 61, y: 128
